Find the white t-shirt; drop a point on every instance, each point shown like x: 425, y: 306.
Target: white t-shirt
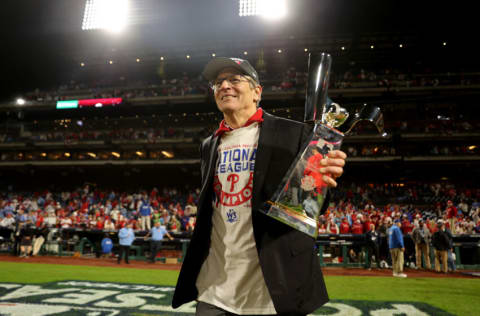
x: 231, y: 277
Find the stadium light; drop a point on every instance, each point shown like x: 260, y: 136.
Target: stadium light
x: 167, y: 154
x: 20, y: 101
x: 270, y: 9
x: 110, y: 15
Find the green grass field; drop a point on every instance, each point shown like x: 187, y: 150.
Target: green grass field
x: 456, y: 296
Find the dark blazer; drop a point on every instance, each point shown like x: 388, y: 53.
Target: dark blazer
x: 287, y: 257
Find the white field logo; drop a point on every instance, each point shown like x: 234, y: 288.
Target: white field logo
x: 105, y: 299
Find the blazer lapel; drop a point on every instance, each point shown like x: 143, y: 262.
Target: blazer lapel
x: 212, y: 158
x: 264, y: 152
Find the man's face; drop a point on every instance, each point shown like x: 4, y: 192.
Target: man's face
x: 231, y: 98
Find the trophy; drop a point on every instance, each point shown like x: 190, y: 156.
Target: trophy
x: 299, y: 198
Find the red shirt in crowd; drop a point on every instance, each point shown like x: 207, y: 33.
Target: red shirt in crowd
x: 333, y: 229
x: 451, y: 212
x: 357, y: 228
x: 407, y: 227
x: 344, y: 227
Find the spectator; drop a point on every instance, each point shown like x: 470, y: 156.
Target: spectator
x: 373, y: 246
x: 421, y: 238
x: 40, y: 237
x: 451, y: 212
x: 26, y: 236
x: 344, y: 226
x: 145, y: 213
x: 441, y: 244
x: 126, y: 236
x: 107, y: 246
x: 8, y: 221
x: 157, y: 233
x: 397, y: 248
x: 357, y: 227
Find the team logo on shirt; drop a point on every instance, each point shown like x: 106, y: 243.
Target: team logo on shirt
x: 232, y: 216
x: 235, y: 165
x: 232, y: 198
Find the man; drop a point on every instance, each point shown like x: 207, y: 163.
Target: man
x: 240, y: 261
x: 357, y: 227
x: 373, y: 245
x: 107, y: 246
x: 145, y: 213
x: 451, y: 258
x: 8, y: 221
x: 126, y: 236
x: 441, y: 245
x: 41, y: 234
x: 344, y: 227
x: 157, y: 233
x: 397, y: 248
x: 451, y: 213
x: 421, y: 238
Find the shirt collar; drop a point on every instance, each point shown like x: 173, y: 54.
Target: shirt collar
x: 257, y: 117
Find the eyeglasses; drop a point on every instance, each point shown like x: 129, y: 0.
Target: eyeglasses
x: 234, y: 80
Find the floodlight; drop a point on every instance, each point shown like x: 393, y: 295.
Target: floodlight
x: 20, y: 101
x: 105, y: 14
x: 271, y: 9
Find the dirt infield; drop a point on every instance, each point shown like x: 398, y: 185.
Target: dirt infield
x: 111, y: 262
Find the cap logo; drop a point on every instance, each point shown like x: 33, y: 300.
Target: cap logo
x: 237, y: 60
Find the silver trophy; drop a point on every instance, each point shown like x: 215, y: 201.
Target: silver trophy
x: 299, y: 198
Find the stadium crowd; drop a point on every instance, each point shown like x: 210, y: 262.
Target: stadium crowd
x: 354, y: 205
x: 420, y: 211
x: 100, y: 210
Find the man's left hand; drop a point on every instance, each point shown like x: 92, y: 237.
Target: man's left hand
x: 332, y: 167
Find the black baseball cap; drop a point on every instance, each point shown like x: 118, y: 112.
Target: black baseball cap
x: 217, y: 64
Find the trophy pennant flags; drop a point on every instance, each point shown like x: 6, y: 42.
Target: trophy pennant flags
x: 299, y: 198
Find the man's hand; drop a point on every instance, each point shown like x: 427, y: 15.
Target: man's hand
x: 332, y: 167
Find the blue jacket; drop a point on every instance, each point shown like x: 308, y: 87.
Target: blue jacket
x: 107, y: 245
x: 395, y: 237
x: 145, y: 210
x: 126, y: 236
